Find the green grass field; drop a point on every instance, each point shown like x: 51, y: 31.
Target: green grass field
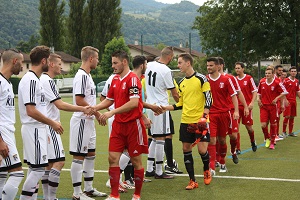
x: 264, y: 174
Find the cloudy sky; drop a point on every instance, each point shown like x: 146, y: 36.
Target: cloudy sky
x: 197, y: 2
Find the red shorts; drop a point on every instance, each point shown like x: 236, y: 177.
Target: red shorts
x: 245, y: 120
x: 291, y: 109
x: 268, y: 112
x: 234, y: 128
x: 219, y: 124
x: 129, y: 135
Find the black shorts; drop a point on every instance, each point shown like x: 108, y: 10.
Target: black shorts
x: 185, y: 136
x: 171, y: 128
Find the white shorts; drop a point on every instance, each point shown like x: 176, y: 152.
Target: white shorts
x: 160, y: 124
x: 109, y: 123
x: 82, y: 136
x: 56, y: 150
x: 35, y: 144
x: 13, y: 160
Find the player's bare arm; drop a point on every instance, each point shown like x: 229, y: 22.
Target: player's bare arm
x: 37, y: 115
x: 175, y: 94
x: 61, y: 105
x: 251, y: 104
x: 236, y: 115
x: 155, y: 108
x: 259, y: 100
x: 147, y: 121
x: 243, y: 101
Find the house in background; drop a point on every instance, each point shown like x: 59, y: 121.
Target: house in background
x: 67, y: 61
x: 154, y: 52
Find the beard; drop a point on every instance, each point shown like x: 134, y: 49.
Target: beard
x: 17, y: 68
x: 45, y: 67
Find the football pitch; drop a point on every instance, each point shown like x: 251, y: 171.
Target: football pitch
x: 264, y: 174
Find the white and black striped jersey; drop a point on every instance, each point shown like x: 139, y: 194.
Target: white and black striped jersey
x: 31, y: 92
x: 158, y: 79
x: 83, y: 85
x: 7, y: 104
x: 51, y: 95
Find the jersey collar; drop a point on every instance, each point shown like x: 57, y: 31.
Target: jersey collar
x: 4, y: 77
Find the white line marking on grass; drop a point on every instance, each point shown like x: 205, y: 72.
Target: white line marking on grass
x: 228, y: 177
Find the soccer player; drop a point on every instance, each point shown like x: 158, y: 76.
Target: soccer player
x: 249, y: 90
x: 33, y: 112
x: 128, y: 129
x: 56, y: 153
x: 270, y: 90
x: 292, y: 86
x: 220, y: 120
x: 82, y: 127
x: 195, y: 101
x: 234, y: 128
x: 11, y: 164
x: 278, y: 75
x: 158, y: 79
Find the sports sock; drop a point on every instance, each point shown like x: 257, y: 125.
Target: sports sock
x: 232, y: 146
x: 212, y: 156
x: 169, y: 151
x: 128, y: 171
x: 273, y: 128
x: 139, y: 179
x: 217, y: 156
x: 76, y: 175
x: 149, y: 142
x: 35, y: 194
x: 223, y: 150
x: 159, y: 156
x: 189, y: 164
x: 3, y: 177
x: 54, y: 177
x: 291, y: 125
x: 45, y: 184
x: 205, y: 160
x: 30, y: 186
x: 238, y: 141
x: 251, y: 135
x: 285, y: 123
x: 151, y: 155
x: 114, y: 174
x: 266, y: 132
x: 88, y: 172
x: 124, y: 159
x: 11, y: 187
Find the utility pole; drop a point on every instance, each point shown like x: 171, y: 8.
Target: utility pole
x: 142, y: 50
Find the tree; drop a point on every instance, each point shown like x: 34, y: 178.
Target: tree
x: 75, y: 27
x: 101, y: 22
x: 27, y: 46
x: 112, y: 46
x: 52, y: 23
x: 248, y: 30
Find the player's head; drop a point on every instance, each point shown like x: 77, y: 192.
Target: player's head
x: 140, y: 62
x: 239, y: 68
x: 167, y: 54
x: 54, y: 64
x: 284, y: 74
x: 221, y: 63
x: 293, y: 71
x: 269, y: 73
x: 120, y: 61
x: 212, y: 65
x: 12, y: 59
x: 185, y: 62
x: 278, y: 70
x: 39, y: 56
x: 89, y: 55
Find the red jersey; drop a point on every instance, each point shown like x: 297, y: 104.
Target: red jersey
x: 247, y: 86
x: 269, y: 91
x: 222, y: 88
x: 236, y: 87
x: 292, y: 87
x: 121, y: 91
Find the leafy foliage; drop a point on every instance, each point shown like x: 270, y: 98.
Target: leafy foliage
x: 112, y: 46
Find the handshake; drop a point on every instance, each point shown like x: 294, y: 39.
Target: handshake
x: 200, y: 129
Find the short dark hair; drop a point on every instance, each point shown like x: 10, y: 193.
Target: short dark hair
x: 121, y: 55
x: 278, y: 66
x: 284, y: 70
x: 9, y: 54
x: 187, y: 57
x: 213, y: 59
x: 293, y: 67
x: 241, y: 64
x: 138, y: 60
x: 38, y: 53
x: 221, y: 61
